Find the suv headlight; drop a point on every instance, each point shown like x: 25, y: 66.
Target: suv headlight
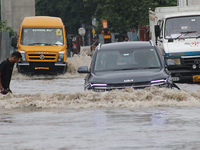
x: 98, y: 87
x: 160, y: 82
x: 61, y: 56
x: 23, y: 55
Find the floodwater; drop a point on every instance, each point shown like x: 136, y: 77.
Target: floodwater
x: 55, y: 113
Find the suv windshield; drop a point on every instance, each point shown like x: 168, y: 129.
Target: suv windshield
x: 129, y: 59
x: 182, y: 27
x: 42, y: 36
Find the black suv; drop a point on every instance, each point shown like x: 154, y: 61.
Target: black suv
x: 137, y: 64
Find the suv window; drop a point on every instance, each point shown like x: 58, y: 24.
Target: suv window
x: 126, y: 59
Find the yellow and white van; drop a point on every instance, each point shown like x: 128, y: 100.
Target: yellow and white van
x: 42, y: 43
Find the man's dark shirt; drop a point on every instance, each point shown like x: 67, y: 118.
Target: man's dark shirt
x: 6, y: 69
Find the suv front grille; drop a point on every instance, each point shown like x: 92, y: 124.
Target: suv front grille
x: 138, y: 84
x: 122, y: 86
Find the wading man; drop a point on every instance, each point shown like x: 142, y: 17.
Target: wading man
x: 6, y: 69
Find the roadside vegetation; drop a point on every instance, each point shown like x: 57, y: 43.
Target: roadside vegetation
x: 121, y: 15
x: 4, y: 27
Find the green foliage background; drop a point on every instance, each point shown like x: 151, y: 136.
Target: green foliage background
x: 3, y: 25
x: 122, y: 15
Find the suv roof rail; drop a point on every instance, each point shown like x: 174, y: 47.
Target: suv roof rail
x: 151, y: 42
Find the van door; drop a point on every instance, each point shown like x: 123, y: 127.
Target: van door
x: 161, y: 38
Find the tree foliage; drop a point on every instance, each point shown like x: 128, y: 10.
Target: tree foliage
x: 72, y: 12
x: 122, y: 15
x: 127, y: 14
x: 5, y: 28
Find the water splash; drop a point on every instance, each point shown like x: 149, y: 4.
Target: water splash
x: 76, y: 61
x: 126, y: 98
x: 81, y: 59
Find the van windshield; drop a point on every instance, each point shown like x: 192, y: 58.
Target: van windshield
x: 182, y: 27
x: 42, y: 36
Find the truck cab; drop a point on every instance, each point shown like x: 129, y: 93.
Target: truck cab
x: 42, y: 43
x: 176, y: 32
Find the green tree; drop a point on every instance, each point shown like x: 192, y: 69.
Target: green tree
x: 5, y: 28
x: 73, y: 13
x: 126, y: 14
x: 121, y: 15
x: 3, y: 25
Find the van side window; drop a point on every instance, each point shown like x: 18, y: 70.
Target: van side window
x: 160, y: 23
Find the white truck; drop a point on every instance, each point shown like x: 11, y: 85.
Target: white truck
x: 176, y: 31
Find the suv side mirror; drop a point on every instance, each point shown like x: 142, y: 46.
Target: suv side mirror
x: 83, y: 69
x: 14, y: 42
x: 157, y: 30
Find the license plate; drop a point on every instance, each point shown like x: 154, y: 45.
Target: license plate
x: 196, y: 78
x: 44, y: 68
x: 174, y: 78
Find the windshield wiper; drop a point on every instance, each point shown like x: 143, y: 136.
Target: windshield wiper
x: 35, y: 43
x: 40, y: 44
x: 136, y: 68
x: 185, y: 33
x: 48, y: 43
x: 58, y: 44
x: 151, y: 67
x: 126, y: 69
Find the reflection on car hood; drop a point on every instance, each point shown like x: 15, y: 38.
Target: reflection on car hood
x: 128, y: 76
